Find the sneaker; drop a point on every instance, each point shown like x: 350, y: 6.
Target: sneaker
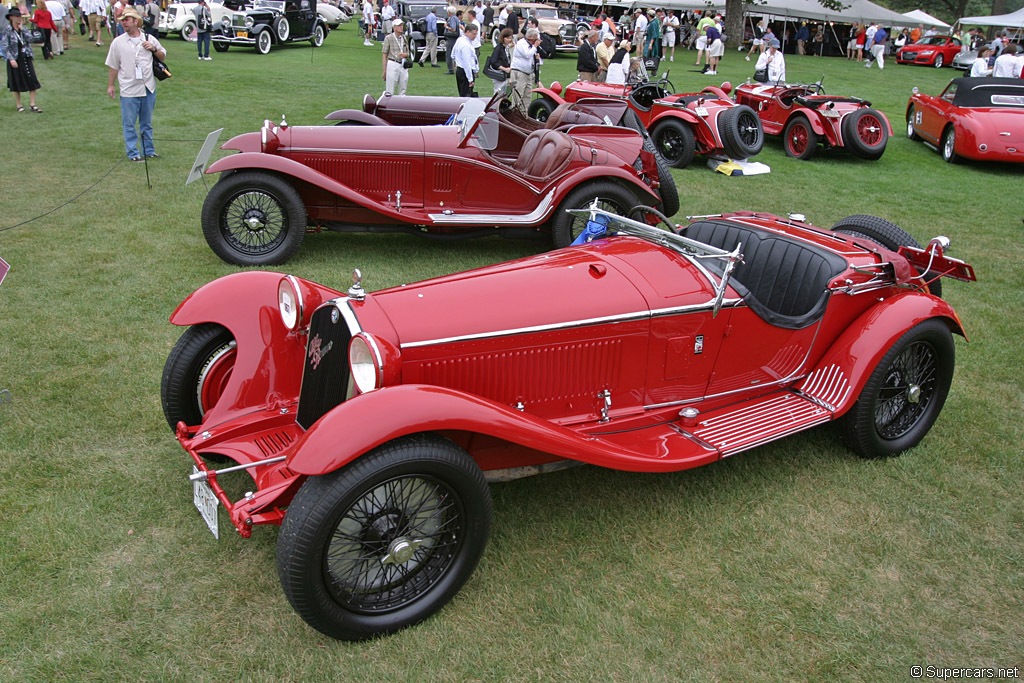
x: 154, y: 155
x: 367, y: 43
x: 671, y: 59
x: 434, y: 66
x: 99, y: 43
x: 748, y: 58
x: 207, y: 59
x: 200, y: 58
x: 134, y: 158
x: 711, y: 73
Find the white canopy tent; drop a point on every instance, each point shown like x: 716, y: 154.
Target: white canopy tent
x: 921, y: 17
x: 859, y: 11
x: 1011, y: 20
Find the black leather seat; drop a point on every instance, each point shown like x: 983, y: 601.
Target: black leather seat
x: 783, y: 280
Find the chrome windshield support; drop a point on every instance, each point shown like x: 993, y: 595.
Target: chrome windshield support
x: 734, y: 257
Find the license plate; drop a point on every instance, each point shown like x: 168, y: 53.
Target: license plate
x: 831, y: 113
x: 241, y: 34
x: 701, y: 111
x: 206, y: 502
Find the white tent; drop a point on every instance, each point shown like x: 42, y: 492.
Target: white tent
x: 859, y: 11
x: 921, y: 17
x: 1013, y: 19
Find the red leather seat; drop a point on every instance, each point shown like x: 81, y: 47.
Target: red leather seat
x: 544, y: 153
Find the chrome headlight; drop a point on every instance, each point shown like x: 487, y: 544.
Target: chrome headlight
x: 289, y: 302
x: 249, y: 22
x: 364, y: 362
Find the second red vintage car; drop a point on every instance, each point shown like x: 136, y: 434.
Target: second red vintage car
x: 482, y: 175
x: 973, y: 118
x: 370, y: 423
x: 806, y: 117
x: 681, y: 126
x: 934, y: 51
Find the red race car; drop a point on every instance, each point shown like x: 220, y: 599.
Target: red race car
x: 681, y: 126
x: 975, y: 118
x: 370, y: 424
x: 476, y: 176
x: 931, y: 50
x: 805, y: 116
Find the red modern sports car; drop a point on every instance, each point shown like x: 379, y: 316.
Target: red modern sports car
x: 932, y: 50
x: 681, y: 126
x: 480, y: 175
x: 975, y: 118
x: 805, y: 116
x: 370, y: 424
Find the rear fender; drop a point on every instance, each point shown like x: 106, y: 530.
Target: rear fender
x: 268, y: 362
x: 369, y: 420
x: 288, y: 167
x: 357, y: 116
x: 814, y: 118
x: 845, y: 368
x: 642, y: 190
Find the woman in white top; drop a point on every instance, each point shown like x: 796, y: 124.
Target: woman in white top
x: 1006, y: 63
x: 618, y: 67
x: 773, y: 60
x: 980, y: 66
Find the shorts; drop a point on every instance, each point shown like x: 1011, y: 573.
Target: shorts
x: 758, y: 41
x: 668, y: 39
x: 717, y: 48
x: 702, y: 42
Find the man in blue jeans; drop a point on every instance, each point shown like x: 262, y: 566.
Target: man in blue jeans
x: 130, y: 60
x: 204, y: 21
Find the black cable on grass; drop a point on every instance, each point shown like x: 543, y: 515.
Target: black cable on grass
x: 73, y: 199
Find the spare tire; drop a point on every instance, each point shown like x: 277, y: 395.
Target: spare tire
x: 741, y: 131
x: 885, y: 233
x: 865, y: 133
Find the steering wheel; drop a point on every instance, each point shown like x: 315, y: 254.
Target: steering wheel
x: 817, y: 88
x: 665, y: 85
x: 645, y: 94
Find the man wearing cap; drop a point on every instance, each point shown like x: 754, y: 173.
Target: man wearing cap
x: 652, y: 42
x: 130, y: 60
x: 605, y: 50
x: 639, y: 31
x: 772, y: 60
x: 395, y: 51
x: 204, y: 22
x: 387, y: 17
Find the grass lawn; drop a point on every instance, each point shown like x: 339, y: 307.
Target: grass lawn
x: 796, y: 561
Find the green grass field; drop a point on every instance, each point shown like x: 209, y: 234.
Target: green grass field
x: 795, y: 561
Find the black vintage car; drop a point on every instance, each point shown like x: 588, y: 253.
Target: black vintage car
x: 414, y: 13
x: 268, y: 23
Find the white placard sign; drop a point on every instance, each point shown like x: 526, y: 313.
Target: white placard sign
x: 204, y: 155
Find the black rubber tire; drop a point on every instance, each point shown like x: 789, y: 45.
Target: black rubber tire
x: 188, y: 32
x: 631, y: 120
x: 319, y: 33
x: 613, y: 197
x: 947, y: 146
x: 667, y: 188
x: 196, y: 370
x: 885, y: 233
x: 675, y: 142
x: 939, y: 61
x: 257, y: 196
x: 540, y: 109
x: 885, y: 421
x: 865, y: 133
x: 263, y: 42
x: 741, y: 131
x: 798, y: 138
x: 354, y: 517
x: 911, y: 133
x: 282, y: 29
x: 221, y: 47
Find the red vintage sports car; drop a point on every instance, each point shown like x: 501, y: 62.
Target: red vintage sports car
x: 931, y: 50
x: 370, y: 424
x: 975, y: 118
x: 805, y: 116
x: 479, y: 175
x: 681, y: 126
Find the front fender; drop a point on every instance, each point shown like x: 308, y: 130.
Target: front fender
x: 676, y: 113
x: 861, y: 347
x: 550, y: 94
x: 288, y: 167
x: 268, y: 362
x: 369, y: 420
x: 356, y: 115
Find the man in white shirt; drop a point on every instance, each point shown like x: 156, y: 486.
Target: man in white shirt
x: 640, y: 31
x: 1006, y: 64
x: 773, y: 60
x: 473, y: 18
x: 368, y: 22
x: 93, y: 11
x: 466, y: 64
x: 130, y: 62
x: 524, y: 63
x: 387, y: 16
x: 980, y: 66
x: 669, y: 30
x: 57, y: 37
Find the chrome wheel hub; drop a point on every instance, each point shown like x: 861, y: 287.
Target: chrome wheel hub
x: 913, y: 393
x: 401, y: 550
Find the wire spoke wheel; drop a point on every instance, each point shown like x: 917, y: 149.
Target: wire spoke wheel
x: 869, y: 130
x: 254, y: 221
x: 906, y: 391
x: 393, y: 544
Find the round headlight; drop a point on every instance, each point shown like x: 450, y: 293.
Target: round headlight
x: 249, y: 22
x: 289, y: 302
x: 364, y: 362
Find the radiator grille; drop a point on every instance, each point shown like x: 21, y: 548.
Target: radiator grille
x: 325, y: 373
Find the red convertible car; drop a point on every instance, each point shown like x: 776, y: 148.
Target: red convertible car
x: 931, y: 50
x: 370, y: 423
x: 681, y: 126
x: 480, y: 175
x: 974, y: 118
x: 805, y: 116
